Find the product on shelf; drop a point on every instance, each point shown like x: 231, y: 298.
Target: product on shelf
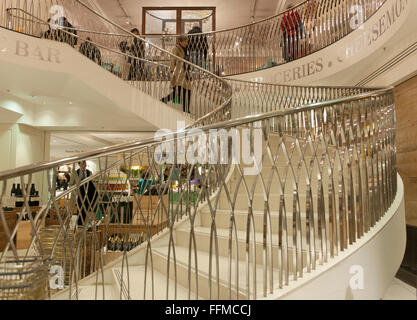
x: 19, y: 197
x: 34, y: 199
x: 116, y: 242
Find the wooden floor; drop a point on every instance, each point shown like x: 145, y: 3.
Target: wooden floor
x: 406, y: 106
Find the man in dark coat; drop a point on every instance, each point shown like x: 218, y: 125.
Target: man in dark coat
x: 87, y: 197
x: 69, y: 33
x: 137, y: 66
x: 197, y: 46
x: 91, y: 51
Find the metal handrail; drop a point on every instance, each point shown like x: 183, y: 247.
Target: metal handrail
x: 260, y: 43
x: 125, y: 147
x: 342, y: 148
x: 149, y: 70
x: 225, y: 40
x: 255, y: 46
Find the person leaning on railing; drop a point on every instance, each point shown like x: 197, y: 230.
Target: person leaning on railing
x: 181, y: 78
x: 70, y: 35
x: 50, y: 34
x: 62, y: 32
x: 137, y: 66
x: 197, y: 46
x: 291, y: 29
x: 91, y: 51
x: 124, y: 61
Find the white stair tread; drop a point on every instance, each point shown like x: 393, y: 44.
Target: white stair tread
x: 241, y: 235
x: 203, y: 268
x: 255, y: 212
x: 137, y: 281
x: 88, y: 292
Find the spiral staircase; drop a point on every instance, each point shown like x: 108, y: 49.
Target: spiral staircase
x: 307, y: 186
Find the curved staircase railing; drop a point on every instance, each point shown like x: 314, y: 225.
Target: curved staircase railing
x: 293, y: 34
x: 233, y: 209
x: 318, y: 177
x: 290, y: 35
x: 186, y: 87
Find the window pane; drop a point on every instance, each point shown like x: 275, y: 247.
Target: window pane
x: 161, y: 22
x: 200, y: 18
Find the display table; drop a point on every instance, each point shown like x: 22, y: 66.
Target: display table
x: 11, y: 219
x: 150, y: 210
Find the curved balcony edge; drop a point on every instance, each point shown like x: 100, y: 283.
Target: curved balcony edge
x: 363, y: 271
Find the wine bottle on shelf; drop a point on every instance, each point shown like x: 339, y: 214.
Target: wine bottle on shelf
x: 30, y: 195
x: 34, y: 197
x: 19, y: 197
x: 37, y: 200
x: 32, y: 190
x: 12, y: 200
x: 13, y: 192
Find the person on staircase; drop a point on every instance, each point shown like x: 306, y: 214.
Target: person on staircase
x: 91, y: 51
x: 87, y: 196
x: 181, y: 75
x: 137, y: 65
x: 291, y: 29
x: 197, y: 46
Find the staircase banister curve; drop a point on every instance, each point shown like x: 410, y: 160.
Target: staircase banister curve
x: 145, y: 41
x: 328, y: 24
x: 343, y: 112
x: 142, y: 69
x: 125, y: 147
x: 323, y: 175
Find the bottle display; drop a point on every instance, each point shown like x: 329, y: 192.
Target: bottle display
x: 19, y: 197
x: 10, y: 202
x: 116, y: 242
x: 34, y: 200
x: 13, y: 192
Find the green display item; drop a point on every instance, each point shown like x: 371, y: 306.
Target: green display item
x: 192, y: 197
x: 99, y: 215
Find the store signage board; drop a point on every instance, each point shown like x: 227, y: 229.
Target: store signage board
x: 23, y: 49
x: 29, y: 48
x: 368, y: 38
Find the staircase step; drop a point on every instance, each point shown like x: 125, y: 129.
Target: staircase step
x: 88, y: 292
x: 258, y: 203
x: 203, y: 244
x: 137, y: 283
x: 160, y: 258
x: 222, y: 220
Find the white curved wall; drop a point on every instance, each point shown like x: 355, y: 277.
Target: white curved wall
x: 58, y: 72
x: 379, y: 254
x: 389, y: 31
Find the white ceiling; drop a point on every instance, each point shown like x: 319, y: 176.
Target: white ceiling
x: 230, y: 13
x: 64, y: 143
